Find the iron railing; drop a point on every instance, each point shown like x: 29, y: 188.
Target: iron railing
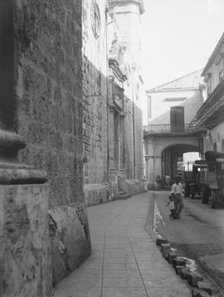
x: 165, y: 128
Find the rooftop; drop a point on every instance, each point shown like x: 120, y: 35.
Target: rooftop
x: 187, y: 82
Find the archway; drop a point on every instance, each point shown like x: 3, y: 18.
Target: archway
x: 172, y: 158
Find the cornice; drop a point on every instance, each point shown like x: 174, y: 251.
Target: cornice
x: 114, y: 65
x: 152, y: 91
x: 214, y: 54
x: 139, y: 3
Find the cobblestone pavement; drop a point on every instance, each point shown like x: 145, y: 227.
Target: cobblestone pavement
x: 125, y: 262
x: 199, y: 236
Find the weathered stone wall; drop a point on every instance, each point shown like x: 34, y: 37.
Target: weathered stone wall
x: 94, y: 95
x: 108, y: 137
x: 25, y: 253
x: 129, y: 139
x: 138, y: 144
x: 95, y: 107
x: 50, y: 113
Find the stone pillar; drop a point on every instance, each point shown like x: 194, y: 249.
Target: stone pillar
x: 110, y: 124
x: 122, y: 150
x: 111, y: 138
x: 25, y: 259
x: 25, y: 253
x: 153, y: 167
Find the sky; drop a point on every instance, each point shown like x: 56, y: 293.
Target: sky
x: 178, y: 37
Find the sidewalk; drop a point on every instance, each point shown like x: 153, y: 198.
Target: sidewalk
x: 125, y: 261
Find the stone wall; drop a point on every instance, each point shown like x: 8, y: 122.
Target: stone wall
x: 109, y: 140
x: 25, y: 254
x: 138, y: 144
x: 94, y: 95
x: 129, y: 139
x: 48, y: 40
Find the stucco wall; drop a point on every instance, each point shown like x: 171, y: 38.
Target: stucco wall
x: 160, y: 108
x: 48, y: 42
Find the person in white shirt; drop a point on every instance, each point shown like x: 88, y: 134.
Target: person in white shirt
x: 177, y: 191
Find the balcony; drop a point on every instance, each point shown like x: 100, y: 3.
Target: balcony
x: 165, y: 129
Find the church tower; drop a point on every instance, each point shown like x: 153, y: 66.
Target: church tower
x: 127, y: 14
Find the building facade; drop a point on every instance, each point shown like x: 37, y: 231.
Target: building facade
x: 43, y: 227
x: 112, y: 85
x: 209, y: 118
x: 70, y: 132
x: 170, y: 110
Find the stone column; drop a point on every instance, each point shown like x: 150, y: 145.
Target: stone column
x: 110, y: 123
x: 25, y: 260
x: 154, y: 167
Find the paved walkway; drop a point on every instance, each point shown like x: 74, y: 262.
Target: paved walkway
x: 125, y: 262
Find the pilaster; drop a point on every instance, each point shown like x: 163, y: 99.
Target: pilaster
x: 25, y: 259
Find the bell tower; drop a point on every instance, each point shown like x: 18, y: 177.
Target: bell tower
x: 127, y: 14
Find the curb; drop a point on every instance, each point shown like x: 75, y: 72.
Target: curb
x: 182, y: 267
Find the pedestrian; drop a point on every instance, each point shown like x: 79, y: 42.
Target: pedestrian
x: 171, y: 206
x: 177, y: 191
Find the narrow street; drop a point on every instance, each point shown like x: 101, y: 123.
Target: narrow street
x: 198, y: 234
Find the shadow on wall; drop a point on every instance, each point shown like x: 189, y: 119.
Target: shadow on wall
x: 112, y: 137
x: 48, y: 66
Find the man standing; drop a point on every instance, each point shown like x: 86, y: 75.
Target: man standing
x: 178, y: 193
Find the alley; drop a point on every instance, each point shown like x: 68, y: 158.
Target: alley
x: 125, y: 261
x: 199, y: 234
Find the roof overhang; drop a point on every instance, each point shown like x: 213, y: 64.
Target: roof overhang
x: 211, y: 109
x: 214, y: 55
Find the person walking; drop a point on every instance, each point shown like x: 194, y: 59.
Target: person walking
x: 177, y: 191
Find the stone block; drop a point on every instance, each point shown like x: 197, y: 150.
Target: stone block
x: 194, y: 278
x: 70, y: 241
x: 184, y: 272
x: 179, y: 261
x: 199, y: 293
x: 25, y: 255
x: 205, y: 286
x: 160, y: 240
x: 165, y: 249
x: 171, y: 256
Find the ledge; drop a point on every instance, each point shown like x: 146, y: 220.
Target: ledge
x: 11, y: 140
x: 14, y: 176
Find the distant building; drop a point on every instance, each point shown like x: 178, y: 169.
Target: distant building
x: 170, y: 110
x: 185, y: 92
x: 210, y: 117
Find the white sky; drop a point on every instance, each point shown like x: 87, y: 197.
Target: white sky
x: 178, y: 36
